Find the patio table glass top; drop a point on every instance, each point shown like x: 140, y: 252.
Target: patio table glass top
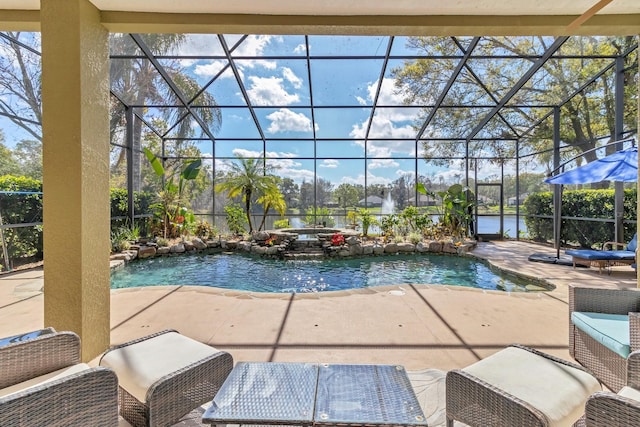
x: 316, y: 394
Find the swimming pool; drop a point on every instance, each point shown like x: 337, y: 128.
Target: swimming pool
x: 236, y: 271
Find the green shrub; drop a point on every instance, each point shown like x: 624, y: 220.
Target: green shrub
x: 236, y: 220
x: 205, y: 230
x: 22, y: 207
x: 415, y: 238
x: 319, y: 216
x: 281, y: 223
x: 579, y: 204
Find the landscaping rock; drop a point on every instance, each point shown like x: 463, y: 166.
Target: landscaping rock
x: 259, y: 250
x: 244, y: 246
x: 406, y: 247
x: 198, y: 243
x: 435, y: 246
x: 391, y: 248
x: 352, y: 240
x: 449, y: 248
x: 163, y: 250
x: 355, y: 249
x: 177, y: 249
x: 146, y: 252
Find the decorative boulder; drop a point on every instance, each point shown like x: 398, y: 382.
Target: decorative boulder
x: 177, y: 249
x: 146, y: 252
x: 391, y: 248
x: 435, y: 247
x: 355, y: 249
x: 450, y: 248
x: 198, y: 243
x: 406, y: 247
x: 351, y: 240
x: 261, y: 236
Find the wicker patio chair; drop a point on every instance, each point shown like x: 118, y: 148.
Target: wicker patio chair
x: 164, y: 376
x: 607, y: 365
x: 43, y: 383
x: 605, y: 409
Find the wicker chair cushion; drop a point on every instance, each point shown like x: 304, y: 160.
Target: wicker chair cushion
x: 43, y: 379
x: 633, y: 243
x: 142, y: 364
x: 611, y: 330
x: 630, y: 392
x: 557, y: 390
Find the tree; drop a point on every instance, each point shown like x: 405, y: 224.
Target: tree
x: 290, y: 191
x: 29, y: 155
x: 137, y: 82
x: 306, y: 195
x: 8, y: 163
x: 348, y: 195
x: 585, y: 118
x: 248, y: 178
x: 20, y: 70
x: 324, y: 189
x: 273, y: 198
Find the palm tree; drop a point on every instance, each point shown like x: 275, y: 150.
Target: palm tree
x: 248, y: 178
x: 137, y: 82
x: 272, y: 199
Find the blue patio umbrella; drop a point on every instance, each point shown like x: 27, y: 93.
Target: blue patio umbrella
x: 621, y: 166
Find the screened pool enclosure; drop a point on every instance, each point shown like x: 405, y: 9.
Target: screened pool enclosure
x: 345, y: 122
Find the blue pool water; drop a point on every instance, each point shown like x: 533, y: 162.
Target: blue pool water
x: 235, y: 271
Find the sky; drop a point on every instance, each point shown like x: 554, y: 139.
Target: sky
x: 281, y: 85
x: 282, y: 88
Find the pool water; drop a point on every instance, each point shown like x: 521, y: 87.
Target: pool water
x: 236, y: 271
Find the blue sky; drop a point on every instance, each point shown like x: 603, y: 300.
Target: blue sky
x: 280, y: 89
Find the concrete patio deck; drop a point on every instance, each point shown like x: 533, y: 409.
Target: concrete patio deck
x: 418, y: 326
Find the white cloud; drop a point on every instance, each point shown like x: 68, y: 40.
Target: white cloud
x: 453, y: 175
x: 269, y: 91
x: 329, y: 163
x: 291, y: 77
x: 371, y: 180
x: 254, y: 45
x: 301, y: 48
x: 383, y: 163
x: 199, y: 44
x: 285, y: 120
x: 211, y: 68
x: 387, y: 123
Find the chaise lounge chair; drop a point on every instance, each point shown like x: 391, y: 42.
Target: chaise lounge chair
x: 606, y: 258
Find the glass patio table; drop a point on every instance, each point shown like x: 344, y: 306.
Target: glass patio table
x: 316, y: 394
